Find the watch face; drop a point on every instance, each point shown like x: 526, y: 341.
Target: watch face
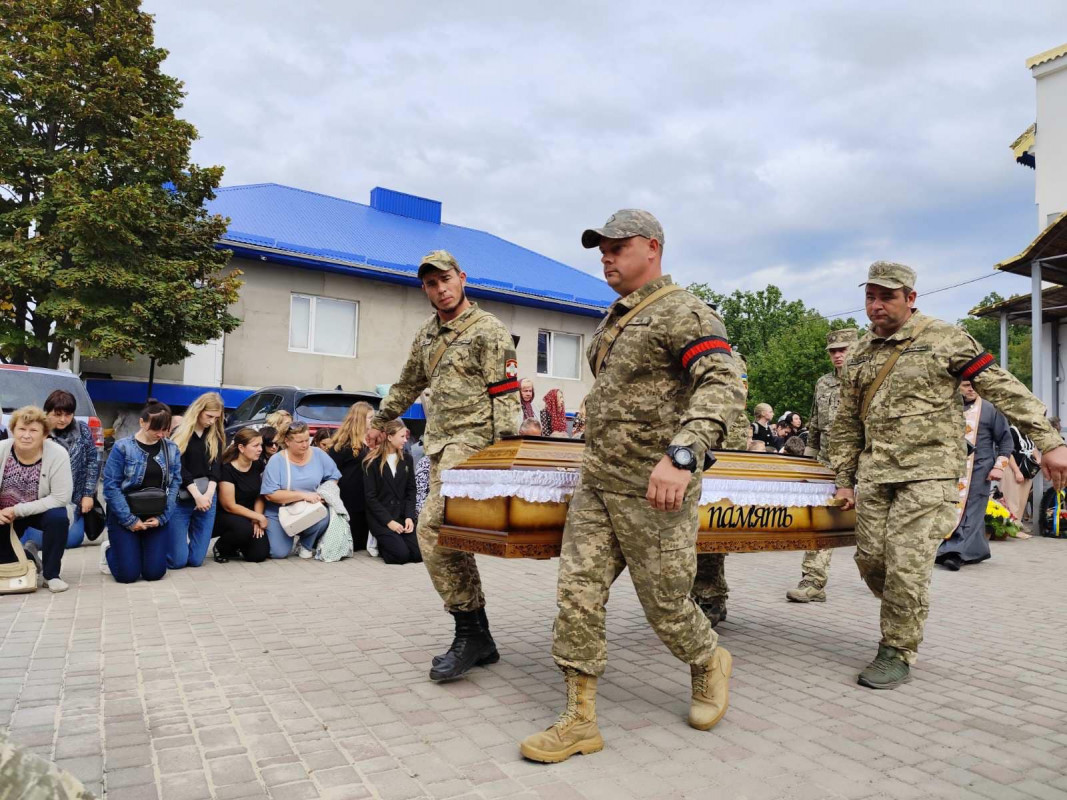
x: 683, y: 456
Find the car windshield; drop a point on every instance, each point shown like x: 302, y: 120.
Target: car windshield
x: 329, y: 407
x: 18, y: 389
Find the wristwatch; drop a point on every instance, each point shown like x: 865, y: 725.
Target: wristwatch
x: 682, y: 457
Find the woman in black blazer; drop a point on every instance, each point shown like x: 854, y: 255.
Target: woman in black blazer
x: 389, y: 489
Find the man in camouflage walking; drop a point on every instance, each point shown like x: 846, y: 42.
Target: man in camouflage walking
x: 815, y: 569
x: 665, y: 386
x: 466, y: 358
x: 899, y: 439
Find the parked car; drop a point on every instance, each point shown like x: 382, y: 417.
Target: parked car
x: 30, y: 386
x: 319, y: 408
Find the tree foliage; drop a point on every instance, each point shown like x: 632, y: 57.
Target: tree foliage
x: 104, y: 242
x: 987, y: 331
x: 782, y: 341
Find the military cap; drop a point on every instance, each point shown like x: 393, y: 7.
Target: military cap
x: 839, y: 339
x: 440, y: 260
x: 890, y: 275
x: 623, y: 224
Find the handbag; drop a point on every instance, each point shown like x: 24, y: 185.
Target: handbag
x: 95, y: 521
x: 201, y: 486
x: 300, y: 515
x: 18, y: 577
x: 150, y: 502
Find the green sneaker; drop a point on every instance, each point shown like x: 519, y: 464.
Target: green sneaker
x: 887, y: 671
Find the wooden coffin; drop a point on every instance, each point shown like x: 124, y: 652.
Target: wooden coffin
x: 485, y: 512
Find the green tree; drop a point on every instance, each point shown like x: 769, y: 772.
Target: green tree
x: 782, y: 341
x: 104, y: 241
x: 986, y: 330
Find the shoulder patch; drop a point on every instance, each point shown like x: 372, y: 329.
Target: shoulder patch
x: 511, y: 368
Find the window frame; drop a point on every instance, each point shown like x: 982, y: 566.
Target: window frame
x: 551, y: 354
x: 313, y: 303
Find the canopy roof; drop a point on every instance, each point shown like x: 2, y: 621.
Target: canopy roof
x: 1018, y: 308
x: 1050, y: 248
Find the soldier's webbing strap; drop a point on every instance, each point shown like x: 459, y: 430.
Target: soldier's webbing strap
x: 887, y: 367
x: 609, y: 337
x: 447, y: 341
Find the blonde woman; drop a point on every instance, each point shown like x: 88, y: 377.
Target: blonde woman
x: 348, y: 451
x: 201, y: 439
x: 389, y: 484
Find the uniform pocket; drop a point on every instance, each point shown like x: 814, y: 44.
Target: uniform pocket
x: 677, y: 556
x: 912, y: 386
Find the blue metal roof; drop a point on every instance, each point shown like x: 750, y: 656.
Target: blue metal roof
x: 321, y: 232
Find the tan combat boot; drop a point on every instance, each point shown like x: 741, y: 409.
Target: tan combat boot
x: 711, y: 689
x: 575, y: 731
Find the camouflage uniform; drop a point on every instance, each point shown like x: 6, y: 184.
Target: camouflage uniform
x: 474, y: 401
x: 25, y: 776
x: 709, y: 585
x: 906, y: 457
x: 815, y: 569
x: 669, y: 379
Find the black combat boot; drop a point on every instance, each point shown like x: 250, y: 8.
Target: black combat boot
x: 470, y: 646
x: 493, y: 656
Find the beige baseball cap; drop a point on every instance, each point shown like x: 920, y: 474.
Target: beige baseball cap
x: 438, y: 259
x: 890, y: 275
x: 623, y: 224
x: 840, y: 339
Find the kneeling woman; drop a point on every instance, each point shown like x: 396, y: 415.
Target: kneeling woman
x: 240, y: 524
x: 293, y: 474
x: 141, y: 481
x: 35, y: 487
x: 389, y: 486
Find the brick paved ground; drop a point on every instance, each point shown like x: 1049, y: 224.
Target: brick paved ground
x: 304, y: 680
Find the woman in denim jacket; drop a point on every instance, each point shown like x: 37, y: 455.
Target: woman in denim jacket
x: 137, y: 548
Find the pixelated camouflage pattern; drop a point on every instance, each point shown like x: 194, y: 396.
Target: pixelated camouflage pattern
x: 823, y: 410
x: 899, y: 527
x: 25, y: 776
x: 623, y: 224
x: 842, y: 338
x: 643, y: 400
x: 914, y: 429
x: 462, y: 410
x: 710, y: 580
x: 738, y: 427
x: 815, y: 569
x: 605, y: 533
x: 454, y: 574
x: 891, y: 275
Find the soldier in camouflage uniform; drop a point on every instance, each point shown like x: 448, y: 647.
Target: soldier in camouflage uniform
x: 815, y: 569
x: 710, y: 590
x: 901, y: 443
x: 663, y: 392
x: 474, y: 401
x: 25, y: 776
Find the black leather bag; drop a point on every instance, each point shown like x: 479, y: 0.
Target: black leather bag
x: 94, y: 522
x: 149, y: 501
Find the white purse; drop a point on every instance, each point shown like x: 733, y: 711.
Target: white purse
x: 298, y: 516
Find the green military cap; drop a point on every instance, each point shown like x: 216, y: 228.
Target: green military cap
x: 623, y: 224
x: 840, y: 339
x: 890, y: 275
x: 438, y: 259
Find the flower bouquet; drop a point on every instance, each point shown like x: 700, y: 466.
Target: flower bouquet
x: 999, y: 522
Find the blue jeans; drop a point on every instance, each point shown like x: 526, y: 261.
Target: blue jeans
x: 189, y: 534
x: 136, y: 554
x: 281, y: 543
x: 75, y: 534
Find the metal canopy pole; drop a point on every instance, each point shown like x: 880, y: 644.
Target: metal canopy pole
x: 1037, y: 378
x: 1004, y: 339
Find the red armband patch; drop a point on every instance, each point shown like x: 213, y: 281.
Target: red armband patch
x: 976, y: 365
x: 703, y: 347
x: 503, y: 387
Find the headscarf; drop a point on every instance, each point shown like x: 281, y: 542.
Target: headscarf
x: 553, y: 415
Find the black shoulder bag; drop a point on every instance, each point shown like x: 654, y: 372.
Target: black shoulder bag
x: 149, y: 502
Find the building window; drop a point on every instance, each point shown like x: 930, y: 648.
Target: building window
x: 559, y: 355
x: 322, y: 325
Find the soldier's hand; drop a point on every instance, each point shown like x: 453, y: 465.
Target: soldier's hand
x: 666, y: 487
x: 1054, y: 466
x: 848, y: 496
x: 373, y: 437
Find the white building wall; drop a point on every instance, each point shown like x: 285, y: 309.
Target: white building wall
x: 1051, y: 140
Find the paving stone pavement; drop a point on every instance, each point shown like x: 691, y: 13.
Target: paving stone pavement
x: 299, y: 679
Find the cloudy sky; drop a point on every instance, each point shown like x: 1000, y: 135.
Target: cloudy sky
x: 778, y: 142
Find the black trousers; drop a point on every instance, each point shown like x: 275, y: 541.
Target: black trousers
x: 358, y: 526
x: 398, y: 548
x: 236, y: 538
x: 54, y: 525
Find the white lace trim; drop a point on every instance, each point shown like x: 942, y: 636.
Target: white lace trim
x: 545, y: 486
